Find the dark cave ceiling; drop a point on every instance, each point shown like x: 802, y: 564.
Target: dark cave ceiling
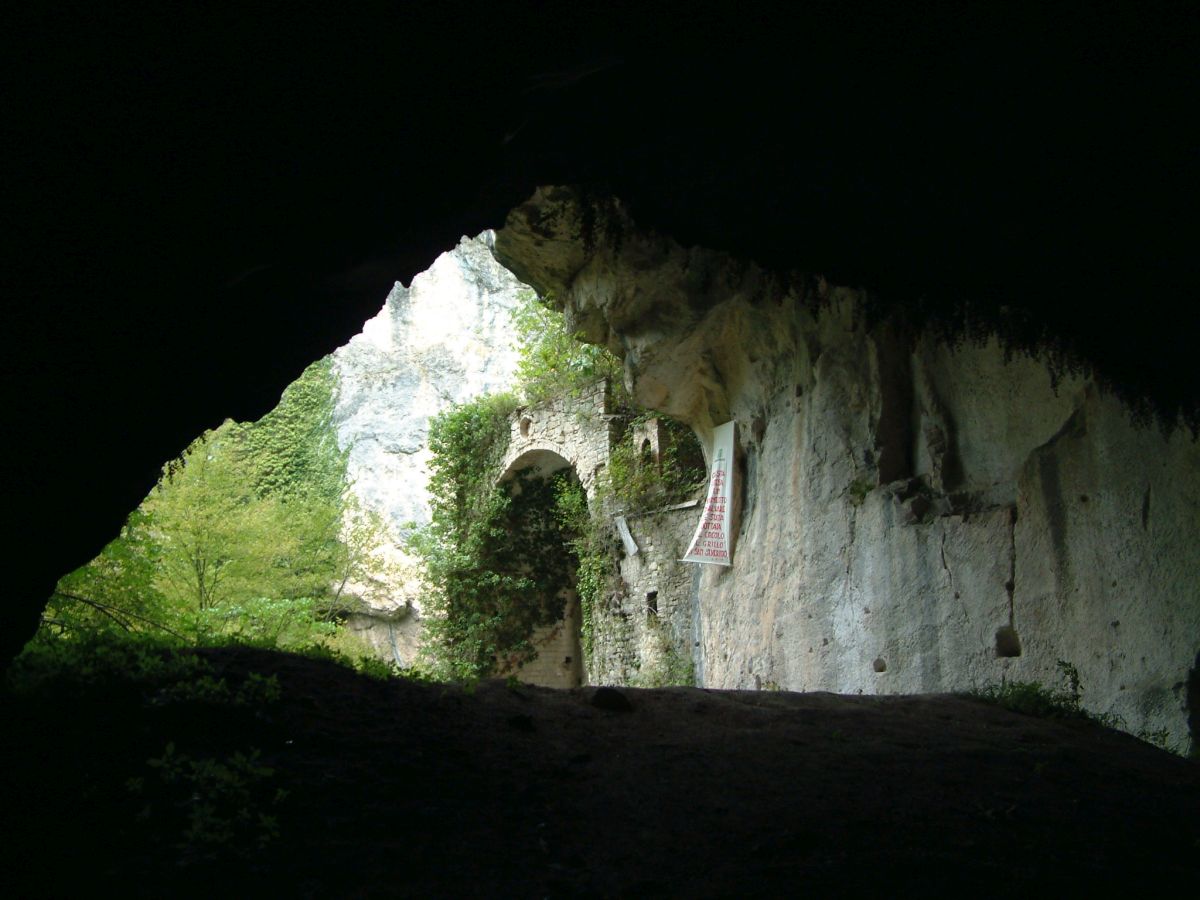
x: 200, y: 203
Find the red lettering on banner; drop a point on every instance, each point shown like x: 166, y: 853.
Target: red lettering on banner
x: 711, y: 542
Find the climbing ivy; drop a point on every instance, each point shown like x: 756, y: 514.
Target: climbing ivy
x: 292, y: 451
x: 631, y: 484
x: 672, y: 667
x: 499, y: 560
x: 496, y: 562
x: 595, y: 554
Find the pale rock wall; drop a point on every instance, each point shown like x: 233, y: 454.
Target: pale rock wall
x: 393, y: 638
x: 445, y: 339
x: 901, y: 504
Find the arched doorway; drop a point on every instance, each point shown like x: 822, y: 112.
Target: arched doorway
x: 533, y: 481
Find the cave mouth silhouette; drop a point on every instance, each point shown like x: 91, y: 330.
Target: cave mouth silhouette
x: 559, y: 660
x: 160, y: 238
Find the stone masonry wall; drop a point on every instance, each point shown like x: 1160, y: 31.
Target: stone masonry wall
x: 647, y: 633
x: 644, y: 633
x: 578, y: 430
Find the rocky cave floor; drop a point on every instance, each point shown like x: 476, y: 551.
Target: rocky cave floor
x: 375, y: 788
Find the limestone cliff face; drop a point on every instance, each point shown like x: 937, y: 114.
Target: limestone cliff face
x: 914, y: 517
x: 443, y: 340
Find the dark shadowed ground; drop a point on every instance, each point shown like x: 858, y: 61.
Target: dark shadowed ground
x: 408, y: 789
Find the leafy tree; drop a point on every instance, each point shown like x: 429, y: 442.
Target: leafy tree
x: 219, y: 540
x: 115, y: 592
x: 360, y: 557
x: 552, y: 361
x: 242, y: 536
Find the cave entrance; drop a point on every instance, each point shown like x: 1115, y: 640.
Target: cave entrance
x: 534, y: 482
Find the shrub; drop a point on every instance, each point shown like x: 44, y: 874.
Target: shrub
x: 1032, y: 698
x: 553, y: 362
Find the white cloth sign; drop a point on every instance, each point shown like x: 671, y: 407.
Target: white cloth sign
x: 711, y: 542
x: 631, y: 547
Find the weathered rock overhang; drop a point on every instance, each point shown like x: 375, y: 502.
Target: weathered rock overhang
x: 920, y: 514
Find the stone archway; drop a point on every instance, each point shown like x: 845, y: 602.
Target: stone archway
x: 578, y: 430
x: 559, y: 661
x: 567, y: 434
x: 643, y: 626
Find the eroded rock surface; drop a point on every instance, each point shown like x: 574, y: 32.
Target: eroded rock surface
x: 913, y: 514
x: 445, y: 339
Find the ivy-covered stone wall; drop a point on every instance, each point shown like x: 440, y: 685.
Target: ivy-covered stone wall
x: 641, y: 626
x: 645, y: 633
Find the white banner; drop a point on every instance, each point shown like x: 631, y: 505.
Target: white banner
x: 631, y: 547
x: 711, y: 542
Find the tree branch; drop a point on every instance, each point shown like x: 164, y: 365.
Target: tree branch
x: 114, y: 613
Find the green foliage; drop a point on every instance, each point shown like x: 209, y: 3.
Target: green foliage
x: 379, y: 669
x: 292, y: 451
x: 680, y: 668
x: 672, y: 668
x: 496, y: 564
x: 632, y: 485
x: 258, y: 691
x: 467, y: 443
x: 220, y: 543
x: 267, y: 622
x: 596, y: 553
x: 1161, y: 738
x: 115, y: 592
x: 1032, y: 698
x: 858, y: 490
x: 553, y: 362
x: 105, y: 664
x: 489, y: 594
x: 249, y: 536
x: 100, y: 661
